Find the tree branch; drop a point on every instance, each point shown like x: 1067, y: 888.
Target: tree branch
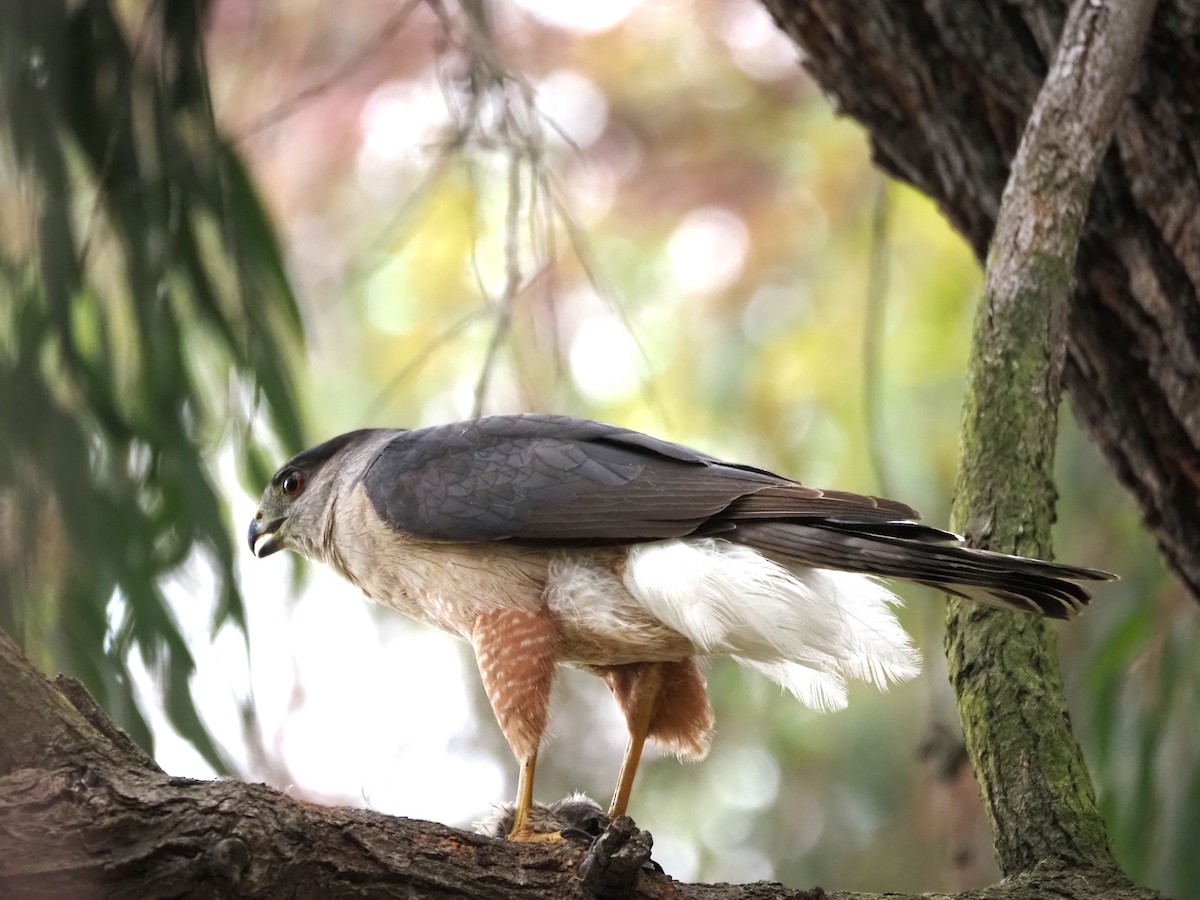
x: 79, y: 816
x: 1003, y: 666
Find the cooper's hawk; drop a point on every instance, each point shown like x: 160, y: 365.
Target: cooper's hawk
x: 547, y: 540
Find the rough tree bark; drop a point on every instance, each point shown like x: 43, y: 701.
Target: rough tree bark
x: 944, y: 88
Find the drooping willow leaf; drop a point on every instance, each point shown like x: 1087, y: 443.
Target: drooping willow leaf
x: 144, y: 298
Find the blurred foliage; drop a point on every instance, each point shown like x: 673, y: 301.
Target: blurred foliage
x: 1135, y: 685
x: 145, y: 313
x: 696, y: 234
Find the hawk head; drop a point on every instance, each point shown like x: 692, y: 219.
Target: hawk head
x: 294, y: 508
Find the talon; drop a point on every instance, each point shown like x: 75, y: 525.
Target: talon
x: 616, y: 860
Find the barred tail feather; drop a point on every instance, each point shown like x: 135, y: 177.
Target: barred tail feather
x: 923, y: 555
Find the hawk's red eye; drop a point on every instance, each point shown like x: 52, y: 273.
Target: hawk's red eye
x: 293, y: 483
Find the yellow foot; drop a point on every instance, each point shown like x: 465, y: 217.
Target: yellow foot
x: 529, y: 836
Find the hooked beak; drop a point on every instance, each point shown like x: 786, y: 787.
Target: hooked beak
x: 262, y: 537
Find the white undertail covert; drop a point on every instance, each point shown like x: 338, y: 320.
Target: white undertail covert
x: 809, y: 630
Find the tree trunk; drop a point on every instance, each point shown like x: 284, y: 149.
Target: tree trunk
x: 944, y: 88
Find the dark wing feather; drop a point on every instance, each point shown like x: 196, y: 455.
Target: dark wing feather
x: 558, y: 480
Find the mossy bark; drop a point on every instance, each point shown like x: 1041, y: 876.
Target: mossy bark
x: 1003, y: 665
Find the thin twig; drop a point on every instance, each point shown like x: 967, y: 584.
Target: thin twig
x: 514, y: 126
x: 365, y: 262
x: 579, y: 244
x: 293, y: 105
x: 873, y: 326
x: 543, y: 203
x: 512, y: 281
x: 420, y: 359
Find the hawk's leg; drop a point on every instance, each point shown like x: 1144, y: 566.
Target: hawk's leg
x: 522, y: 829
x: 637, y: 701
x: 666, y: 702
x: 516, y: 652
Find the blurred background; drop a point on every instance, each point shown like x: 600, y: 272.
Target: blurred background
x: 238, y: 228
